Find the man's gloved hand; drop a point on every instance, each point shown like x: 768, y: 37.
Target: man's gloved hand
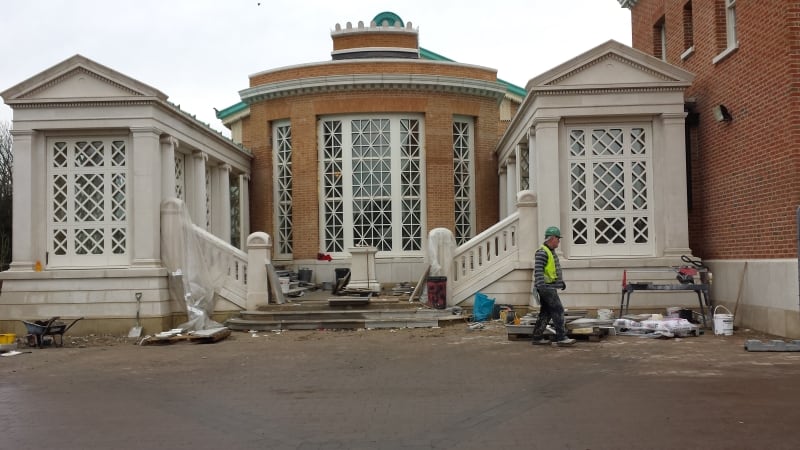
x: 561, y: 285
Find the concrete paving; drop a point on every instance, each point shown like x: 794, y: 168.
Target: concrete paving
x: 402, y: 389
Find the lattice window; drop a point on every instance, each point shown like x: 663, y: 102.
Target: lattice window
x: 610, y: 190
x: 411, y: 184
x: 207, y: 174
x: 87, y: 202
x: 180, y: 176
x: 462, y: 179
x: 333, y: 187
x: 236, y: 208
x: 524, y: 168
x: 372, y: 183
x: 282, y: 143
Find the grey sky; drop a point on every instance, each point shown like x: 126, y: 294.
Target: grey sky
x: 201, y: 52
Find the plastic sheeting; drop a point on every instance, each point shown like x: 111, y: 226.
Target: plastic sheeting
x: 194, y: 274
x: 441, y: 249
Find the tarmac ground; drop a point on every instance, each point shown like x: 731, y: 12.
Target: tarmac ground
x: 438, y: 388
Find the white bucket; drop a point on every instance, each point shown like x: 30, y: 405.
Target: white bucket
x: 604, y: 314
x: 723, y: 323
x: 284, y: 284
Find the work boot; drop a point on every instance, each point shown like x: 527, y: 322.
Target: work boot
x: 566, y: 342
x: 540, y: 341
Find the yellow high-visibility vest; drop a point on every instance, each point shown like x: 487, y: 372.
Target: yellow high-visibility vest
x: 550, y: 275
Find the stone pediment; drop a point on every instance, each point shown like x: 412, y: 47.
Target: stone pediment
x: 611, y: 66
x: 79, y: 78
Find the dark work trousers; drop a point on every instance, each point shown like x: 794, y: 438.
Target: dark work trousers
x: 550, y: 309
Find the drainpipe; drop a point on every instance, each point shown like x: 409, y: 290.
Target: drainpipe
x: 798, y: 251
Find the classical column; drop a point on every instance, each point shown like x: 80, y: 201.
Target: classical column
x: 145, y: 219
x: 671, y: 192
x: 547, y: 172
x: 22, y: 252
x: 221, y: 202
x: 503, y: 206
x: 244, y: 206
x: 168, y: 146
x: 511, y: 184
x: 196, y: 193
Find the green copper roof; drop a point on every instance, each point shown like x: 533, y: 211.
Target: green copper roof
x: 423, y: 53
x: 390, y: 17
x: 231, y: 110
x: 512, y: 88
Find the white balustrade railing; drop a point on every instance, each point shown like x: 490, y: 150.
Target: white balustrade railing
x: 494, y: 246
x: 224, y: 258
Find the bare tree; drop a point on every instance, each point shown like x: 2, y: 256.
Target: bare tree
x: 6, y: 164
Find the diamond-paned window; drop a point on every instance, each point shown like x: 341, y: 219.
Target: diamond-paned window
x: 207, y: 174
x: 236, y: 211
x: 180, y: 176
x: 372, y: 172
x: 282, y: 143
x: 610, y: 190
x: 87, y: 202
x: 524, y: 168
x: 462, y: 179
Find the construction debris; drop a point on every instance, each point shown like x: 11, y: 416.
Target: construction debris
x: 181, y: 335
x: 754, y: 345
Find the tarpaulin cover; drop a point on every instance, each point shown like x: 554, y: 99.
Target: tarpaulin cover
x: 441, y: 248
x: 202, y: 269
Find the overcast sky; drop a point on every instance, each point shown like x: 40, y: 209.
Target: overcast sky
x: 201, y: 52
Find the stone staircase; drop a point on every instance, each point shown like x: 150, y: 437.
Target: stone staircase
x: 322, y: 310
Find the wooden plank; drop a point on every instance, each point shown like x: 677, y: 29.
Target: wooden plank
x: 418, y: 288
x: 275, y: 285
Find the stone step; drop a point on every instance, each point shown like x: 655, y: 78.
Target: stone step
x: 343, y: 323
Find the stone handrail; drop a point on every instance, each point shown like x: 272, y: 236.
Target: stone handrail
x: 225, y: 258
x: 493, y: 246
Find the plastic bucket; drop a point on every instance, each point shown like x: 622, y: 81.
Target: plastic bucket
x: 723, y: 323
x: 284, y: 284
x: 604, y: 314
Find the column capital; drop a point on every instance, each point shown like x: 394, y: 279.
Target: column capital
x: 200, y: 155
x: 226, y: 167
x: 22, y: 133
x: 169, y: 140
x: 545, y: 122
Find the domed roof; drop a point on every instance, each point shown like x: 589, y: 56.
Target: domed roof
x: 390, y: 17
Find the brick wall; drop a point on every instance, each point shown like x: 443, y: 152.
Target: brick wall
x: 375, y: 39
x: 438, y: 109
x: 745, y: 185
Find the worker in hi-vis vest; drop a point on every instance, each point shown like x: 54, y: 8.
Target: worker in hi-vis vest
x: 546, y: 279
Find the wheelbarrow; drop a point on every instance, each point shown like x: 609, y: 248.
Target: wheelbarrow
x: 38, y: 329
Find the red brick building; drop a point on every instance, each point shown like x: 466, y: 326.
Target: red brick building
x: 376, y: 147
x: 743, y: 143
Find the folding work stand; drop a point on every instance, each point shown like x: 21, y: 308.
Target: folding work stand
x: 700, y: 289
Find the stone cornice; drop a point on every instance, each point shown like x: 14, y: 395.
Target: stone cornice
x: 588, y: 90
x: 341, y: 83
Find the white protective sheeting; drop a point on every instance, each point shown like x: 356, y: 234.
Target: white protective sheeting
x: 441, y: 248
x: 200, y: 274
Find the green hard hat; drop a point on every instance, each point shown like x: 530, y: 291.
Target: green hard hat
x: 552, y: 231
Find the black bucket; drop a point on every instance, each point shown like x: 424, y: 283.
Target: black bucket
x: 304, y: 275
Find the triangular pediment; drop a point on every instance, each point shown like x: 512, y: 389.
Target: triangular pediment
x: 611, y: 65
x: 79, y: 78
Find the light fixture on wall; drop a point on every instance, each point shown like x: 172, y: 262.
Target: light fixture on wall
x: 722, y: 114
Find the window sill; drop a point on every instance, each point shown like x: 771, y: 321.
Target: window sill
x: 689, y: 52
x: 727, y: 52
